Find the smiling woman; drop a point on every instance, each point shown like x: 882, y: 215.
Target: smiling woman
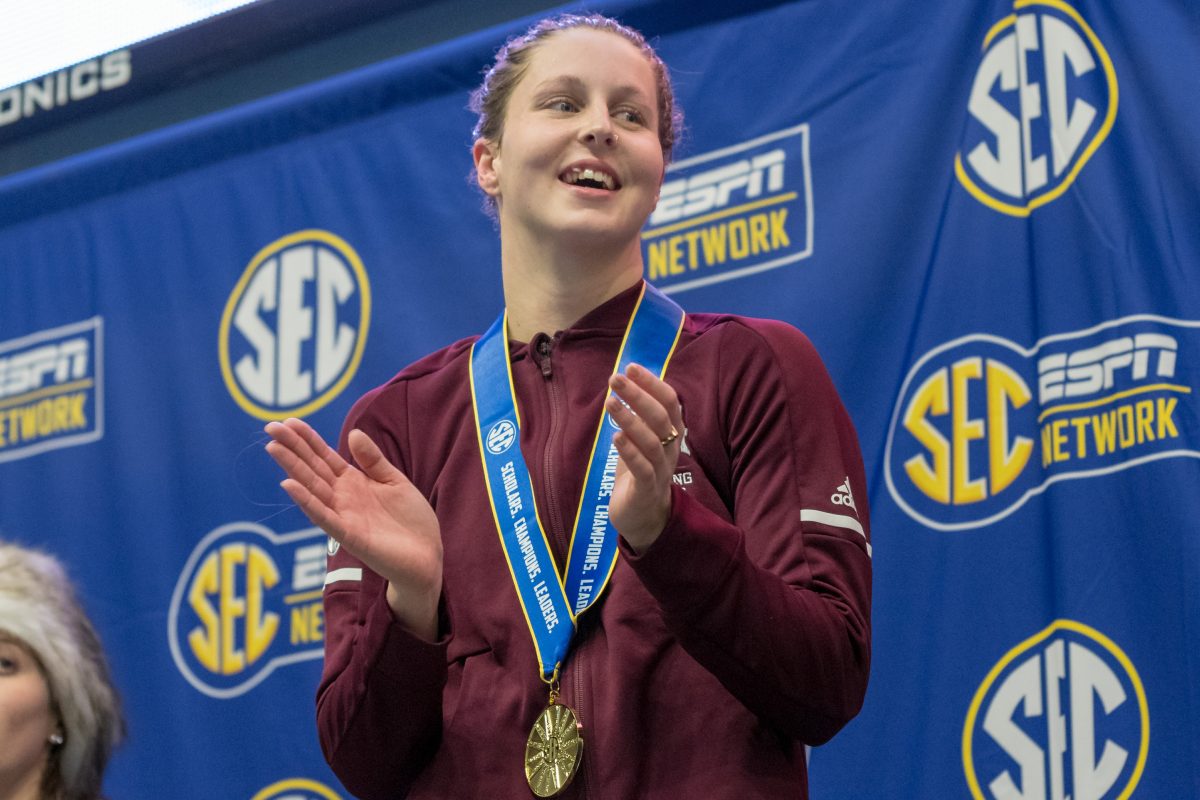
x: 59, y: 714
x: 586, y: 104
x: 689, y: 595
x: 491, y: 100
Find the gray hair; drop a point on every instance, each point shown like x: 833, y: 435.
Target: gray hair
x: 38, y: 606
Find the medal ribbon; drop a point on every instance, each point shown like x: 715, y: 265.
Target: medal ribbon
x: 550, y: 603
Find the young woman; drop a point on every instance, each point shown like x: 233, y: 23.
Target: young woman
x: 604, y: 550
x: 59, y: 714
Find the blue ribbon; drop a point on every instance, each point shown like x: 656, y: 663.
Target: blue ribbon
x: 551, y: 604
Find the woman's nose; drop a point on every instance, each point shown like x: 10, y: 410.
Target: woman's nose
x: 598, y: 129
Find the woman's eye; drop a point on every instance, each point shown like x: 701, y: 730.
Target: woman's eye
x: 7, y: 665
x: 562, y: 105
x: 631, y: 116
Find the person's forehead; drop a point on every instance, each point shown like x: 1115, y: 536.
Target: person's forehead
x: 584, y: 49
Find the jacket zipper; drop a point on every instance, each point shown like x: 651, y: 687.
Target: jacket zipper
x: 577, y: 682
x: 544, y: 348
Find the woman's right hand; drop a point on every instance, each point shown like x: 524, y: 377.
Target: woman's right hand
x: 374, y: 512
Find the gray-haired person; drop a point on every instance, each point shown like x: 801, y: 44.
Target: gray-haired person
x: 60, y: 716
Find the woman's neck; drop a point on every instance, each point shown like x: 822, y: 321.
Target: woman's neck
x: 547, y: 291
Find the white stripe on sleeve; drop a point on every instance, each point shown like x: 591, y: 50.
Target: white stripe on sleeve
x: 343, y: 574
x: 834, y: 520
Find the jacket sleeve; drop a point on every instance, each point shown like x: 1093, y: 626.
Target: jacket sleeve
x: 379, y: 703
x: 776, y: 603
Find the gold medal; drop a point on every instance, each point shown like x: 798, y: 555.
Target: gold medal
x: 553, y: 750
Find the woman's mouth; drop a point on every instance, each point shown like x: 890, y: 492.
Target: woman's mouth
x: 591, y: 178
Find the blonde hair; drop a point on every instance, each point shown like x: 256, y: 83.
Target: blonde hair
x: 38, y: 606
x: 490, y: 100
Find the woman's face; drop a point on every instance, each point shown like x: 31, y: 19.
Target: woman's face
x: 26, y: 717
x: 587, y: 101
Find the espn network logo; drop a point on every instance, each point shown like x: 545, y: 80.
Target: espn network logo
x: 51, y: 389
x: 247, y: 601
x: 732, y: 212
x: 714, y: 189
x: 983, y: 424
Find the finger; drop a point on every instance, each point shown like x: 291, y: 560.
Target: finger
x: 660, y: 390
x: 371, y: 460
x: 634, y: 460
x: 290, y: 434
x: 645, y: 405
x: 335, y: 464
x: 316, y: 510
x: 638, y: 435
x: 299, y: 471
x: 627, y: 421
x: 289, y: 453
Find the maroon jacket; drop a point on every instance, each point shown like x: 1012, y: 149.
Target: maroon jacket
x: 740, y: 635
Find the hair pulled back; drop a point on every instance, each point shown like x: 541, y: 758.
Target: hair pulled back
x: 490, y: 100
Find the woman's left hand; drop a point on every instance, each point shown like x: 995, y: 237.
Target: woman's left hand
x: 648, y: 443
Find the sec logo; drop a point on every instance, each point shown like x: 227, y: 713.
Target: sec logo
x: 295, y: 326
x: 1062, y: 715
x: 501, y: 437
x: 247, y: 602
x: 1043, y: 99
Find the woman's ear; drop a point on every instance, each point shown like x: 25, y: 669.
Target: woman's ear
x: 487, y: 162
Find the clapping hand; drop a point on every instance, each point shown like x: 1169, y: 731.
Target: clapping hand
x: 648, y: 412
x: 374, y: 511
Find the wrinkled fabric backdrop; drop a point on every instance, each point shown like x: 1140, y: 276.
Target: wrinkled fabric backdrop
x: 984, y: 214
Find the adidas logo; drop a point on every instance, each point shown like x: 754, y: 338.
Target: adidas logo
x: 842, y: 496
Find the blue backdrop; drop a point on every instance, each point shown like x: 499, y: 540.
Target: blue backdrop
x: 985, y: 215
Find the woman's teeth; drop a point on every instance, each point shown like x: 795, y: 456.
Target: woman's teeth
x: 592, y: 178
